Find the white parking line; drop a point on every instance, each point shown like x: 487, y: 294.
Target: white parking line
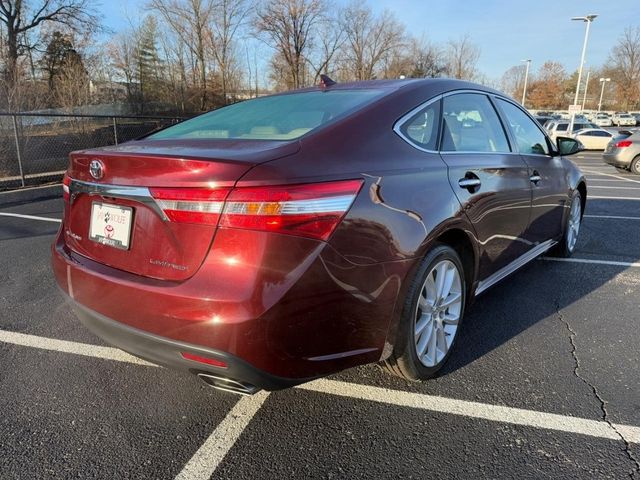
x: 65, y: 346
x: 596, y: 262
x: 30, y: 217
x: 614, y: 188
x: 606, y: 197
x: 614, y: 217
x: 626, y: 179
x: 206, y: 460
x: 495, y: 413
x: 243, y: 411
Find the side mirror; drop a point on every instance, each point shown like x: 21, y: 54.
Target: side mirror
x: 569, y: 146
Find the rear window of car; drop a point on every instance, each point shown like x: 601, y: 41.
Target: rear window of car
x: 279, y: 117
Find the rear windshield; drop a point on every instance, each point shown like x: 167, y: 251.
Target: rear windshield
x: 280, y: 117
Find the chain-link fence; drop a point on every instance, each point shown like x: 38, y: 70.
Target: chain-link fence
x: 34, y: 148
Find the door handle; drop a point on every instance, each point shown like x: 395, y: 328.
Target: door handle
x: 535, y: 178
x: 470, y: 182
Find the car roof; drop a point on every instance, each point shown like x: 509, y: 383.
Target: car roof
x: 436, y: 86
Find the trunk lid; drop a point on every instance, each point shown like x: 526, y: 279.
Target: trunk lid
x: 123, y: 198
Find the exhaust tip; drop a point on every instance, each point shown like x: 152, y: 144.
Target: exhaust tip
x: 228, y: 384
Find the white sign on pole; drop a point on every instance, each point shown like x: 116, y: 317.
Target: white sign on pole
x: 575, y: 109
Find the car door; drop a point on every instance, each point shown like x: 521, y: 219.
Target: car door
x: 547, y: 174
x: 490, y: 181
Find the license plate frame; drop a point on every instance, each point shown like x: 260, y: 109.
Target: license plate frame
x: 111, y: 225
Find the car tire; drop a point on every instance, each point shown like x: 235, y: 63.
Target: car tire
x: 571, y: 230
x: 635, y: 165
x: 426, y: 337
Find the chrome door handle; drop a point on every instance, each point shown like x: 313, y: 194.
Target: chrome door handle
x: 535, y: 178
x: 469, y: 182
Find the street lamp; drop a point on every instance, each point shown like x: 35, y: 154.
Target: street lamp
x: 526, y: 78
x: 587, y: 19
x: 586, y: 87
x: 603, y: 81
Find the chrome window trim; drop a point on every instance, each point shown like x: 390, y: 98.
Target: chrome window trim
x: 407, y: 116
x: 138, y: 194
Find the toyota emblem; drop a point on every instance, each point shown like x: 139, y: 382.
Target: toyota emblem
x: 96, y: 169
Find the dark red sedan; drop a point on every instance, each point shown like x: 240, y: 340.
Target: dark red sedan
x: 288, y: 237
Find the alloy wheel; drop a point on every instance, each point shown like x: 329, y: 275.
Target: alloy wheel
x: 574, y: 224
x: 438, y: 313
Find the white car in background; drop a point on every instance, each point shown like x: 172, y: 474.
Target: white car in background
x: 603, y: 120
x: 593, y: 138
x: 624, y: 120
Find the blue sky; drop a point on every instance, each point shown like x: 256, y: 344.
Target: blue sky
x: 505, y: 30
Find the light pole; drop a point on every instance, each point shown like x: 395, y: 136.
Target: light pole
x: 586, y: 87
x: 603, y: 81
x: 588, y: 19
x: 526, y: 79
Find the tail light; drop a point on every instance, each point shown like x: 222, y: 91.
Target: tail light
x: 66, y: 180
x: 191, y: 205
x: 624, y: 143
x: 309, y: 210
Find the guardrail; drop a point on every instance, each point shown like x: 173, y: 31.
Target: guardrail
x: 34, y: 147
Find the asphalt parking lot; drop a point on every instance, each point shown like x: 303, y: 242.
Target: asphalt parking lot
x: 544, y: 382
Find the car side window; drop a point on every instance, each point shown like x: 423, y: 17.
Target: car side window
x: 422, y: 128
x: 471, y: 124
x: 529, y: 137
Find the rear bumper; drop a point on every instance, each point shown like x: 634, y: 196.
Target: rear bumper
x: 284, y: 311
x: 617, y: 159
x: 167, y: 352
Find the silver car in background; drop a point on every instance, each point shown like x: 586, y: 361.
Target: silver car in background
x: 623, y: 152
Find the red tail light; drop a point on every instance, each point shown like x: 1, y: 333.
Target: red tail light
x: 66, y: 180
x: 309, y: 210
x: 191, y: 205
x: 624, y: 143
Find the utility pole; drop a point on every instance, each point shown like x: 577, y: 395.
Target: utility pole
x: 526, y: 79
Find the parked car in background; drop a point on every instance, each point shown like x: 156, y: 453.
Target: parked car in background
x: 624, y: 120
x: 602, y: 120
x: 593, y: 138
x: 288, y: 237
x: 623, y: 152
x: 560, y: 127
x: 636, y: 115
x: 543, y: 120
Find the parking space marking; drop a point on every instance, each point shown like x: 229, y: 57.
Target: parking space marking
x: 65, y: 346
x: 243, y: 413
x: 606, y: 197
x: 206, y: 460
x: 30, y: 217
x: 605, y: 180
x: 465, y: 408
x: 626, y: 179
x: 614, y: 217
x: 614, y: 188
x: 597, y: 262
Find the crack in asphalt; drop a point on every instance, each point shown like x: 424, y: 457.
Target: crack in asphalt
x: 596, y: 393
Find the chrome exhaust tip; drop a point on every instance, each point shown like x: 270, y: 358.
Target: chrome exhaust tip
x: 228, y: 384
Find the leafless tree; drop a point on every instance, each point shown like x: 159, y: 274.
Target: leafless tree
x: 623, y: 66
x: 230, y: 16
x: 190, y: 20
x: 462, y: 58
x: 512, y: 81
x: 290, y: 27
x: 21, y: 17
x: 369, y: 39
